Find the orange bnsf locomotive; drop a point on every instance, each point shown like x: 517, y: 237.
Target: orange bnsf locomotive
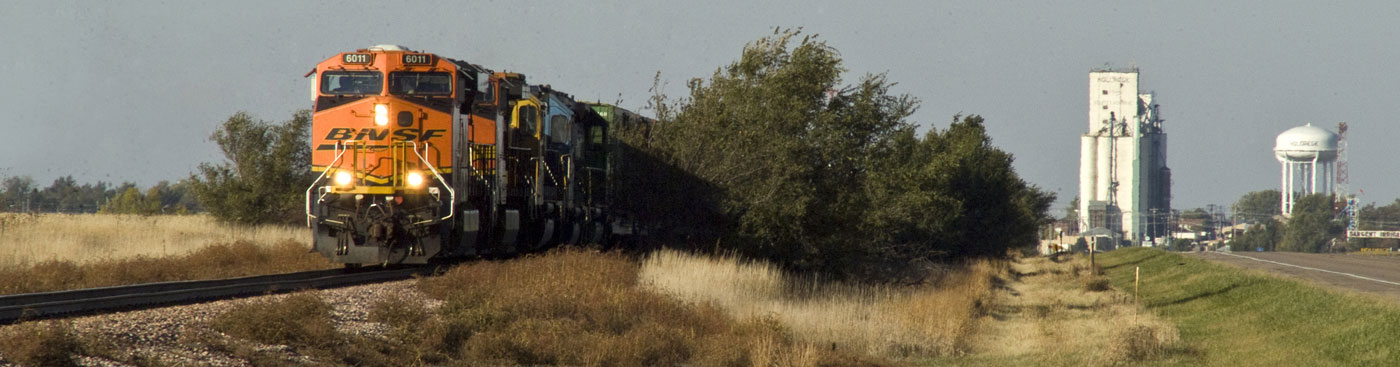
x: 421, y: 156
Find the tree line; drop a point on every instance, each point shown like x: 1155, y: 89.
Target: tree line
x: 262, y: 180
x: 20, y: 194
x: 1316, y: 225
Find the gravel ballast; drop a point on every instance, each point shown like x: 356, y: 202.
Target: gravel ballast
x: 180, y: 335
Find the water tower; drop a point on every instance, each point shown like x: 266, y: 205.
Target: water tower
x: 1308, y: 155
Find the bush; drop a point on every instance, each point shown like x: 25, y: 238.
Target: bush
x: 39, y: 344
x: 416, y: 334
x: 1136, y: 343
x: 1097, y: 284
x: 298, y: 320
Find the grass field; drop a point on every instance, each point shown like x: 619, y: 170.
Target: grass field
x: 1237, y: 317
x: 28, y: 239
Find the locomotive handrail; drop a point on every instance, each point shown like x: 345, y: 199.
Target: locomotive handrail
x: 451, y: 194
x: 548, y: 171
x: 338, y: 153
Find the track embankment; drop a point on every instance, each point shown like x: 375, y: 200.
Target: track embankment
x: 1235, y: 317
x: 1373, y: 274
x: 94, y: 300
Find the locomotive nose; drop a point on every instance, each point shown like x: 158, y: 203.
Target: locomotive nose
x: 381, y: 114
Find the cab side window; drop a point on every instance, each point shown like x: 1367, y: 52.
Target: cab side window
x: 528, y: 121
x: 559, y: 129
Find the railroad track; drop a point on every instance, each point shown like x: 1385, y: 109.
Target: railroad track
x: 128, y: 297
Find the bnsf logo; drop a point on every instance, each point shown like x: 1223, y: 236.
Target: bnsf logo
x: 343, y: 133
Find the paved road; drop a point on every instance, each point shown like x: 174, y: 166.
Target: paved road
x: 1379, y: 275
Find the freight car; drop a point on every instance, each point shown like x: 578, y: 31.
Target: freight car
x: 422, y: 157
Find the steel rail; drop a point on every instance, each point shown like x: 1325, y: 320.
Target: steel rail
x: 30, y: 306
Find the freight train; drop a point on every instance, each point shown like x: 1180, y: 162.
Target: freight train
x: 420, y: 157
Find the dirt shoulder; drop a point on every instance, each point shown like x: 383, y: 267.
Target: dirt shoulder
x: 1056, y: 313
x: 1371, y: 274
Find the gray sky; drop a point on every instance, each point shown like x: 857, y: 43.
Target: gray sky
x: 130, y: 91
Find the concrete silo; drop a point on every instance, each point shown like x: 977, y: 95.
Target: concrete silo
x: 1124, y: 182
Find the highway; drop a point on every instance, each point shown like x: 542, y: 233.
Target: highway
x: 1372, y: 274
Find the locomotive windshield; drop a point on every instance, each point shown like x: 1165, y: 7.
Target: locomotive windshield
x: 420, y: 83
x: 352, y: 82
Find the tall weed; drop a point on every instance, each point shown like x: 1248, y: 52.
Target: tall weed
x: 878, y: 320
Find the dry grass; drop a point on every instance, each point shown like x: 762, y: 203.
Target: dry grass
x: 47, y: 252
x: 298, y: 320
x: 211, y: 262
x: 893, y: 322
x: 585, y: 308
x: 48, y: 343
x: 28, y: 239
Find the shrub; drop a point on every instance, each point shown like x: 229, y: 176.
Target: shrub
x: 398, y: 312
x: 1136, y: 343
x: 298, y: 320
x: 415, y: 333
x: 1096, y: 284
x: 39, y: 344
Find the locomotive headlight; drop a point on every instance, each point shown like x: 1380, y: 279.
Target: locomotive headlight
x: 344, y: 178
x: 414, y: 179
x: 381, y: 114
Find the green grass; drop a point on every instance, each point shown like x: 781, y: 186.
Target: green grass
x: 1237, y: 317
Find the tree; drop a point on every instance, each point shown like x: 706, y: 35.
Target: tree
x: 1257, y: 206
x: 1262, y: 236
x: 963, y: 186
x: 1311, y: 228
x: 1195, y: 214
x: 266, y: 173
x: 788, y: 158
x: 1072, y: 212
x: 131, y: 201
x: 16, y: 191
x: 163, y: 198
x: 62, y: 196
x: 1182, y: 244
